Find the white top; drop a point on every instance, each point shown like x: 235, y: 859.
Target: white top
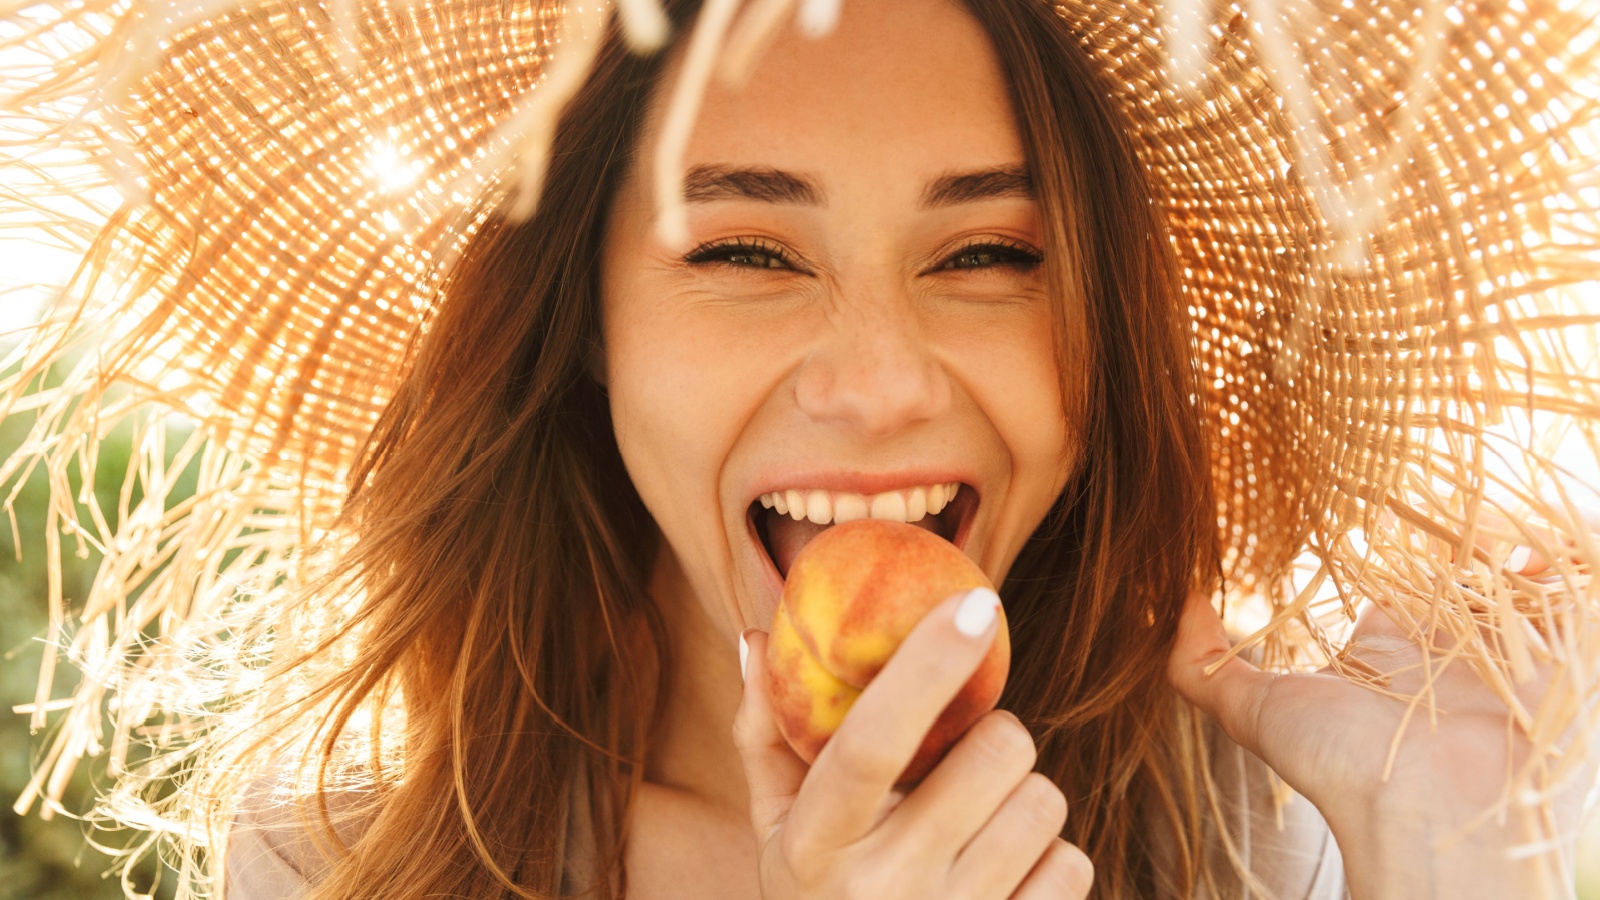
x: 1287, y: 847
x: 271, y: 857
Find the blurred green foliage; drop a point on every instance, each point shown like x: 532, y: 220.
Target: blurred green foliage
x: 1589, y: 861
x: 51, y: 858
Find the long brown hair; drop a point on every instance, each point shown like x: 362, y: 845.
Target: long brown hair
x: 503, y: 553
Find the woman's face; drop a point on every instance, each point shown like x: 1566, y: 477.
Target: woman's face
x: 863, y: 317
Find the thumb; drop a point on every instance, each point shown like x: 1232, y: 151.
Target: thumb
x: 772, y: 770
x: 1233, y: 693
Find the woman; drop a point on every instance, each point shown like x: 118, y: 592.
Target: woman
x: 922, y: 251
x: 884, y: 291
x: 863, y: 310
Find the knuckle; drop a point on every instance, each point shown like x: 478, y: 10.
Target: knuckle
x: 741, y: 727
x: 798, y: 854
x: 1068, y: 871
x: 865, y: 883
x: 1004, y: 741
x: 1042, y: 802
x: 864, y: 755
x: 866, y: 879
x: 745, y: 736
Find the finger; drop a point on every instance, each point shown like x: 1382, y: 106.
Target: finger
x: 1265, y: 713
x: 1529, y: 548
x: 1063, y: 873
x: 967, y: 786
x: 1375, y: 622
x: 1233, y: 693
x: 880, y: 734
x: 1533, y: 547
x: 889, y: 805
x: 1390, y: 640
x: 772, y: 770
x: 1010, y: 845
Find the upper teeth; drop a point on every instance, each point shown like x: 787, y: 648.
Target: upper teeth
x: 833, y: 507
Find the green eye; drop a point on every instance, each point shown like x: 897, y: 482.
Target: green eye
x: 754, y: 258
x: 988, y: 255
x: 742, y: 253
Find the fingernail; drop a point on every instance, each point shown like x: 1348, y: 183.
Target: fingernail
x: 1518, y: 560
x: 977, y: 612
x: 744, y: 654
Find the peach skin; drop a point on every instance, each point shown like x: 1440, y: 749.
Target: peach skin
x: 851, y: 597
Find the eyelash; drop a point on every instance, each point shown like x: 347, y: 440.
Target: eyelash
x: 723, y: 252
x: 1013, y: 254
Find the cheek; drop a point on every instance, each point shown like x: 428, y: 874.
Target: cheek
x: 681, y: 387
x: 1010, y: 365
x: 1036, y: 418
x: 659, y: 400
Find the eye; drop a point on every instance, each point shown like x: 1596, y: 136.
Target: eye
x: 990, y: 253
x: 741, y: 253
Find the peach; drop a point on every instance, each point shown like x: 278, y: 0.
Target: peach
x: 851, y: 597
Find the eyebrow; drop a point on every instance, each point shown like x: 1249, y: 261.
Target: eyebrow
x: 704, y: 184
x: 986, y: 184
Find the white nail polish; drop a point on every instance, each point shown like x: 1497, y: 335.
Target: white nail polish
x: 1518, y: 560
x: 977, y: 611
x: 744, y: 655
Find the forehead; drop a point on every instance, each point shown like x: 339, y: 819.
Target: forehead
x: 908, y: 88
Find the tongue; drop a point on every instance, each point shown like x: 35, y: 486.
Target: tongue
x: 787, y: 538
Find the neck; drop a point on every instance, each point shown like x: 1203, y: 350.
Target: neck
x: 693, y: 752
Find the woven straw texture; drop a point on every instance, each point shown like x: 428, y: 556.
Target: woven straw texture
x: 1386, y: 217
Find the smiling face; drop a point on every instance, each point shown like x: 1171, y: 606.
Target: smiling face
x: 861, y: 321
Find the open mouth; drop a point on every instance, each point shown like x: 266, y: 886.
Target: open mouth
x: 785, y: 521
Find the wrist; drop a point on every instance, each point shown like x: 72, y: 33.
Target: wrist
x: 1416, y: 851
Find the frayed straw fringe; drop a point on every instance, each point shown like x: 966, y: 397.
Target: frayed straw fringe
x: 1392, y: 439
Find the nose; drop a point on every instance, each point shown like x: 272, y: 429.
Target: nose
x: 873, y: 372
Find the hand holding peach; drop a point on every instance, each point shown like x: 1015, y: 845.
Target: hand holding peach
x: 850, y: 599
x: 981, y: 824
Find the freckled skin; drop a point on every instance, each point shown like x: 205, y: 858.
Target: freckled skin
x: 726, y: 381
x: 850, y: 599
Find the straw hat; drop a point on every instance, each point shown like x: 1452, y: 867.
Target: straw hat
x: 1386, y: 217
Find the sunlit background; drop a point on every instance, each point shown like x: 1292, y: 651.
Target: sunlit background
x: 59, y: 858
